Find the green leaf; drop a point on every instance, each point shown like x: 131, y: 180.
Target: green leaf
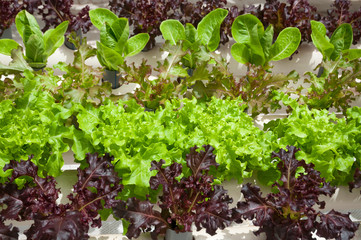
x: 190, y: 33
x: 107, y: 37
x: 248, y: 29
x: 341, y: 39
x: 81, y: 146
x: 35, y: 52
x: 7, y: 45
x: 18, y: 63
x: 136, y: 44
x: 54, y: 38
x: 352, y: 54
x: 27, y: 34
x: 286, y: 44
x: 24, y: 19
x: 100, y: 16
x: 173, y: 31
x: 209, y: 28
x: 108, y: 58
x: 241, y: 53
x: 243, y: 26
x: 121, y: 30
x: 266, y: 40
x: 320, y: 40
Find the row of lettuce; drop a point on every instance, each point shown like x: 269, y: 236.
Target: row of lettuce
x: 36, y: 124
x: 146, y: 17
x: 192, y: 68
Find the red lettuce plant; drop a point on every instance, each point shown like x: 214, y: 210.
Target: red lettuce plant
x: 340, y: 13
x: 8, y: 11
x: 356, y: 183
x: 97, y: 187
x: 55, y: 12
x: 192, y: 199
x: 194, y: 12
x: 294, y: 13
x: 10, y: 8
x: 290, y: 213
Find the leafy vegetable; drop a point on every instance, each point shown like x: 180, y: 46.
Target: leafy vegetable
x: 257, y: 88
x: 190, y: 53
x: 340, y: 13
x: 356, y: 183
x: 81, y: 82
x: 254, y: 44
x: 207, y: 34
x: 188, y: 200
x: 54, y: 12
x: 153, y: 93
x: 324, y: 140
x: 336, y: 84
x: 114, y: 44
x: 8, y: 12
x: 17, y: 65
x: 31, y: 122
x: 290, y: 213
x: 135, y: 137
x: 340, y: 40
x: 292, y: 13
x: 36, y: 199
x: 194, y: 12
x: 38, y: 47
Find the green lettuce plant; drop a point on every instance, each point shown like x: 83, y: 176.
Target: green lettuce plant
x: 81, y: 83
x: 335, y: 85
x: 115, y: 45
x: 254, y: 47
x: 38, y: 46
x: 205, y: 38
x: 190, y: 51
x: 330, y: 143
x: 33, y: 123
x: 135, y: 137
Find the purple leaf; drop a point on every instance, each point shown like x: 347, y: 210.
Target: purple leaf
x: 54, y: 12
x: 97, y: 187
x: 185, y: 201
x: 289, y: 213
x: 214, y: 213
x: 8, y: 11
x: 68, y: 226
x: 336, y: 225
x: 165, y: 176
x: 37, y: 196
x: 142, y: 217
x: 11, y: 197
x: 201, y: 161
x: 357, y: 180
x: 254, y: 206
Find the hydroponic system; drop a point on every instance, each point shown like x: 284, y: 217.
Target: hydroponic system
x: 180, y: 119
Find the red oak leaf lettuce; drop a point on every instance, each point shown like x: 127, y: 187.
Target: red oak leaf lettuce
x: 290, y: 213
x: 185, y: 201
x: 98, y: 185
